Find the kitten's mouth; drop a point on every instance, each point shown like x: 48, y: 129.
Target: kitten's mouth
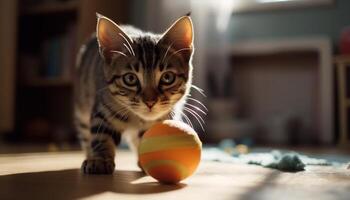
x: 149, y: 110
x: 150, y: 114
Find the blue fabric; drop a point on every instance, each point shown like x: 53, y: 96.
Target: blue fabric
x: 284, y: 161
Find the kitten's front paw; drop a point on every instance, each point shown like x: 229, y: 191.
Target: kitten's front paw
x: 98, y: 166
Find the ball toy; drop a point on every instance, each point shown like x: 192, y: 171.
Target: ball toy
x: 170, y: 151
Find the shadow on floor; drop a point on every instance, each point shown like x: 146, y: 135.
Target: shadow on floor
x: 258, y: 192
x: 71, y: 184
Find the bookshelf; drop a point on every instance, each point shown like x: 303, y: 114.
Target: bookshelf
x: 49, y: 33
x: 47, y: 45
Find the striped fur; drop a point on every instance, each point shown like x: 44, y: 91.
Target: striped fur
x: 107, y: 108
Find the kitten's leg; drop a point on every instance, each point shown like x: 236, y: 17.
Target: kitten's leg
x: 101, y: 150
x: 82, y: 125
x: 133, y: 138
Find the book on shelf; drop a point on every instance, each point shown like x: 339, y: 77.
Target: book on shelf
x: 59, y: 55
x: 57, y: 58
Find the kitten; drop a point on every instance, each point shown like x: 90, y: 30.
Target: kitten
x: 127, y: 81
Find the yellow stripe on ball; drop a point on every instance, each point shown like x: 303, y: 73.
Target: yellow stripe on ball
x: 159, y: 143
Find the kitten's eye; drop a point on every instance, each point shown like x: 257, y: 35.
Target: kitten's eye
x: 168, y: 78
x: 130, y: 79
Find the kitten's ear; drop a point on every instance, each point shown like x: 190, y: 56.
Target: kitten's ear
x: 179, y: 36
x: 111, y: 38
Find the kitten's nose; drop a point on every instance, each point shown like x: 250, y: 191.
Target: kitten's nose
x: 150, y: 103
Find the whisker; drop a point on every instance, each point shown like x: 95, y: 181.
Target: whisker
x: 124, y: 114
x: 120, y: 112
x: 119, y: 52
x: 127, y: 49
x: 193, y: 99
x: 133, y: 53
x: 195, y: 107
x: 176, y: 52
x: 200, y: 90
x: 167, y: 52
x: 171, y: 115
x: 110, y: 115
x: 187, y: 119
x: 194, y: 114
x: 111, y: 104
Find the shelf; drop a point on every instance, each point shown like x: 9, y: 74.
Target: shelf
x: 49, y: 82
x: 47, y: 8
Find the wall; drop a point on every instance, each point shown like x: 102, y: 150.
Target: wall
x: 278, y: 93
x: 328, y: 20
x: 117, y: 10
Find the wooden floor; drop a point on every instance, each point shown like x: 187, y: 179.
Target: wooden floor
x: 57, y: 176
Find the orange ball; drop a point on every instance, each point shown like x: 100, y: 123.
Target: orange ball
x: 170, y: 151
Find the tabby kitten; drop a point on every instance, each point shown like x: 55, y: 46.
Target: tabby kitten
x: 127, y: 81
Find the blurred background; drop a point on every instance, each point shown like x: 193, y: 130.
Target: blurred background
x: 274, y: 71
